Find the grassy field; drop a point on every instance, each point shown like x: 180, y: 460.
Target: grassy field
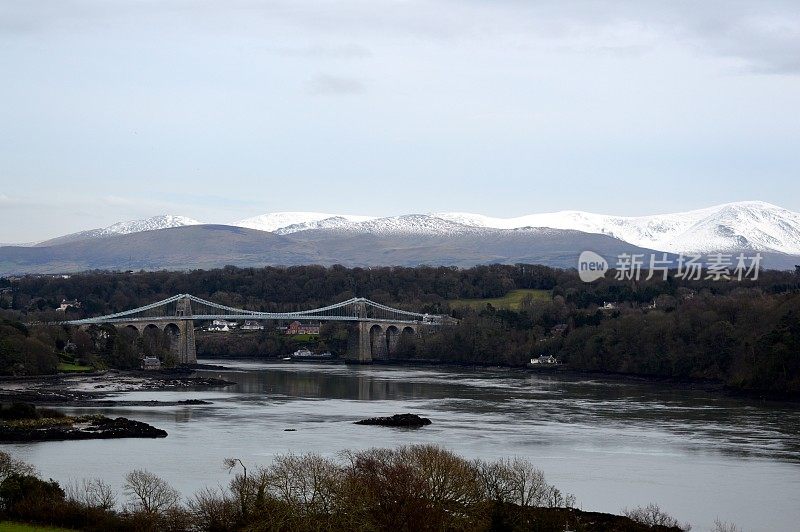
x: 8, y: 526
x: 66, y: 366
x: 305, y: 337
x: 510, y: 301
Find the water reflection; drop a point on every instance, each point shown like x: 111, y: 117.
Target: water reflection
x: 612, y: 443
x: 688, y: 418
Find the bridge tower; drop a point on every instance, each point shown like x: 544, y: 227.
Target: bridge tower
x: 185, y: 349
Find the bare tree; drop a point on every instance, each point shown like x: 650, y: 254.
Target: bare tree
x: 212, y: 510
x: 517, y: 481
x: 149, y: 492
x: 653, y: 515
x: 724, y: 526
x: 239, y: 485
x: 306, y: 481
x: 92, y: 493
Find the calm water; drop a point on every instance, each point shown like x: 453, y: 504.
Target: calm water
x: 612, y: 444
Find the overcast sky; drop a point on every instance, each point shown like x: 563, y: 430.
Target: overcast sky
x: 118, y: 110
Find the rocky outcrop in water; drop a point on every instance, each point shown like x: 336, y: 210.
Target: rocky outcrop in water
x: 81, y: 428
x: 397, y: 420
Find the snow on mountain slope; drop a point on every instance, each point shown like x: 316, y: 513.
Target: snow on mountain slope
x: 748, y: 225
x: 281, y: 222
x: 164, y: 221
x: 732, y: 227
x: 409, y: 224
x: 756, y: 226
x: 751, y: 225
x: 646, y: 231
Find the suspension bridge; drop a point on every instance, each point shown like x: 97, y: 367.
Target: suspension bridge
x: 379, y: 328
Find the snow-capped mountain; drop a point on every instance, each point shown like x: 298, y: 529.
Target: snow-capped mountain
x: 747, y: 225
x: 645, y: 229
x: 732, y: 227
x: 285, y: 223
x: 756, y: 226
x: 460, y: 239
x: 164, y: 221
x: 408, y: 224
x: 742, y: 226
x: 292, y: 222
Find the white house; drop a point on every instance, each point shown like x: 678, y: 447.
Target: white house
x: 222, y: 325
x: 545, y: 359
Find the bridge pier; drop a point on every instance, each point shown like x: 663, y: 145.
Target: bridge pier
x: 359, y: 348
x: 186, y: 349
x: 376, y: 340
x: 182, y: 345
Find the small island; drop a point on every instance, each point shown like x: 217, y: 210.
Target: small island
x: 397, y: 420
x: 25, y: 423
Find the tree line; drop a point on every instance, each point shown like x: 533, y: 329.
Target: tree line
x: 283, y: 289
x: 409, y: 488
x: 743, y: 334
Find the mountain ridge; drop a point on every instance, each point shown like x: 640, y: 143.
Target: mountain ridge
x: 213, y: 246
x: 750, y: 226
x: 163, y: 221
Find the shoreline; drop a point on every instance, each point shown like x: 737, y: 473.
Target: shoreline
x: 93, y: 390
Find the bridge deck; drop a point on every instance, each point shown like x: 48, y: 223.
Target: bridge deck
x: 353, y: 310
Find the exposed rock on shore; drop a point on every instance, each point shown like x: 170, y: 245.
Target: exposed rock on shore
x: 79, y: 428
x: 96, y: 389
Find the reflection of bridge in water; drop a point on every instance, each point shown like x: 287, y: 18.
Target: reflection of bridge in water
x: 377, y: 334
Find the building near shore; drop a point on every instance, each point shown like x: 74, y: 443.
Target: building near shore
x: 151, y: 363
x: 222, y: 325
x: 68, y: 303
x: 298, y: 328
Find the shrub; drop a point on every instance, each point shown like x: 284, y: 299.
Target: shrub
x: 16, y: 411
x: 26, y: 495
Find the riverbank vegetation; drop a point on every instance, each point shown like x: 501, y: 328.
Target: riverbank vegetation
x: 412, y: 488
x: 42, y: 349
x: 743, y: 334
x: 748, y: 340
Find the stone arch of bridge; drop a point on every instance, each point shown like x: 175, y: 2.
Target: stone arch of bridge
x: 392, y: 339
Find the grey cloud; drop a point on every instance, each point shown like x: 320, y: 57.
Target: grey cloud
x: 764, y: 34
x: 766, y: 46
x: 334, y: 85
